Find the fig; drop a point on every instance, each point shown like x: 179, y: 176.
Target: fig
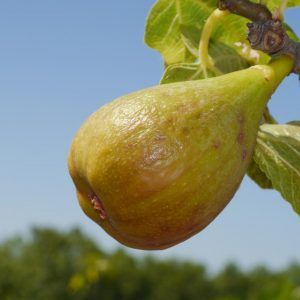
x: 155, y: 167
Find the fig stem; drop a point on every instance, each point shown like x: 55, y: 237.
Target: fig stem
x: 281, y: 66
x: 268, y: 118
x: 204, y: 57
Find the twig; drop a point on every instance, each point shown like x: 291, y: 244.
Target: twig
x: 252, y: 11
x: 266, y: 32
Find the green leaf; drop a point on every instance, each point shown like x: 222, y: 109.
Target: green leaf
x: 191, y: 38
x: 258, y: 176
x: 226, y: 60
x: 254, y: 171
x: 184, y: 72
x: 163, y: 32
x: 278, y: 155
x: 174, y: 28
x: 290, y: 32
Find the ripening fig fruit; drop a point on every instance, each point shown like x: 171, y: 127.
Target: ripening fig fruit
x: 155, y: 167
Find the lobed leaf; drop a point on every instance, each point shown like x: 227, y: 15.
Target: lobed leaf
x: 163, y: 32
x: 174, y: 28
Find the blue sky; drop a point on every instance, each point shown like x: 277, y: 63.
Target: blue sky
x: 62, y: 60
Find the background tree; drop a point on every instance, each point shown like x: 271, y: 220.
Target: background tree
x: 50, y: 264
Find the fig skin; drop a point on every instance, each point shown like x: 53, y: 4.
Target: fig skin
x: 163, y: 162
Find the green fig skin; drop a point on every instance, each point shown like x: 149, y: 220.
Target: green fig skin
x: 165, y: 161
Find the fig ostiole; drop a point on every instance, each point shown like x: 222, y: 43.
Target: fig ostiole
x: 155, y: 167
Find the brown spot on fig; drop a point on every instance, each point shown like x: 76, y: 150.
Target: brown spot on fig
x: 198, y: 115
x: 98, y: 206
x: 217, y: 144
x: 240, y: 138
x: 244, y: 154
x: 185, y: 130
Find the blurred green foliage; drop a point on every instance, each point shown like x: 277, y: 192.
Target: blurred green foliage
x: 54, y: 265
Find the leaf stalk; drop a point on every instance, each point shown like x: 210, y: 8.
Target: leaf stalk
x: 206, y: 60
